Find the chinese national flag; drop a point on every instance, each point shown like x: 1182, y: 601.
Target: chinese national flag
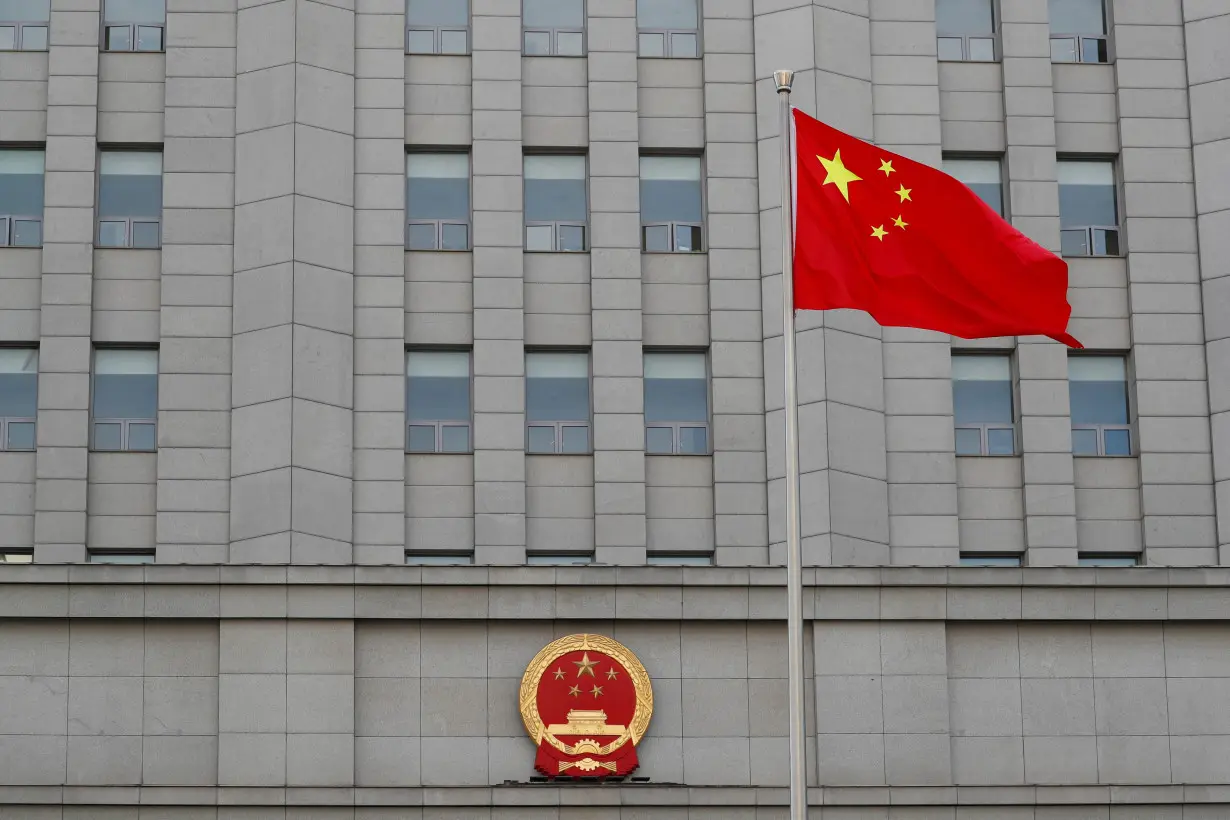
x: 914, y: 247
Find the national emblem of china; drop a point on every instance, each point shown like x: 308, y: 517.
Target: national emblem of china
x: 586, y: 701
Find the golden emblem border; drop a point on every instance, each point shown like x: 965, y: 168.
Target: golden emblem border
x: 580, y: 643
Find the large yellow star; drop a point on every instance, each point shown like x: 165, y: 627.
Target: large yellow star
x: 838, y: 174
x: 887, y: 167
x: 585, y: 666
x: 904, y: 193
x: 900, y: 223
x: 879, y: 233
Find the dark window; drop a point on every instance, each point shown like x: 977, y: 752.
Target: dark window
x: 125, y: 403
x: 973, y: 559
x: 437, y: 26
x: 130, y: 199
x: 966, y: 29
x: 558, y: 559
x: 120, y: 557
x: 23, y: 24
x: 10, y: 555
x: 1098, y: 393
x: 21, y: 198
x: 983, y: 176
x: 668, y: 28
x: 671, y: 204
x: 134, y: 25
x: 438, y: 401
x: 438, y: 202
x: 557, y: 402
x: 554, y: 27
x: 1088, y: 211
x: 676, y: 403
x: 1094, y: 559
x: 982, y: 405
x: 680, y: 559
x: 1078, y: 31
x: 556, y: 212
x: 18, y: 397
x: 434, y: 559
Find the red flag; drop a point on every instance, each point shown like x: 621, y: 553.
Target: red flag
x: 914, y: 247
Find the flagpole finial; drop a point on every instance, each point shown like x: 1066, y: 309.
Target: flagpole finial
x: 784, y: 79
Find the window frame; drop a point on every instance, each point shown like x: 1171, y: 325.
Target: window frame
x: 125, y: 422
x: 984, y: 428
x: 558, y: 426
x: 6, y: 421
x: 668, y: 38
x: 1088, y: 230
x: 994, y: 37
x: 8, y: 220
x: 676, y: 426
x: 438, y: 35
x: 1101, y: 429
x: 19, y: 34
x: 555, y: 225
x: 1080, y: 39
x: 440, y: 424
x: 140, y: 556
x: 991, y: 560
x: 559, y: 559
x: 553, y: 32
x: 680, y: 559
x: 133, y: 33
x: 7, y: 553
x: 129, y: 221
x: 674, y: 225
x: 1109, y: 560
x: 440, y: 224
x: 415, y: 558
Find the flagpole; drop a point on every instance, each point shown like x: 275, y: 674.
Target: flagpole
x: 794, y: 546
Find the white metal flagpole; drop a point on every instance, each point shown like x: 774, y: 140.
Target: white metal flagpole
x: 794, y: 546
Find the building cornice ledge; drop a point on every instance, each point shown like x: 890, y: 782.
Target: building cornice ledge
x: 615, y: 593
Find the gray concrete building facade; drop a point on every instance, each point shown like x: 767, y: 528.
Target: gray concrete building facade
x: 351, y: 351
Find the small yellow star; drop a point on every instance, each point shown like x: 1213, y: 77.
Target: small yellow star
x: 900, y: 223
x: 887, y: 167
x: 585, y: 666
x: 597, y: 690
x: 879, y: 233
x: 611, y: 674
x: 836, y: 173
x: 904, y: 193
x: 559, y: 674
x: 575, y: 691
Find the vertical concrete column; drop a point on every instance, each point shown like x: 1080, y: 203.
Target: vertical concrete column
x: 194, y: 362
x: 615, y: 286
x: 380, y: 283
x: 1046, y: 432
x: 1208, y: 78
x: 292, y: 426
x: 922, y: 467
x: 740, y: 500
x: 499, y: 285
x: 1180, y: 525
x: 68, y: 264
x: 840, y: 358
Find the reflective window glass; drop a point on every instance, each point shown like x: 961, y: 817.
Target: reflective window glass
x: 556, y: 386
x: 437, y: 12
x: 125, y: 384
x: 21, y: 183
x: 668, y: 14
x: 1097, y: 387
x: 676, y: 387
x: 554, y: 13
x: 437, y: 385
x: 25, y: 11
x: 438, y: 186
x: 983, y: 176
x: 130, y: 184
x: 135, y: 11
x: 982, y: 389
x: 964, y: 17
x: 670, y: 189
x: 555, y: 188
x: 18, y: 382
x: 1087, y: 193
x: 1077, y: 17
